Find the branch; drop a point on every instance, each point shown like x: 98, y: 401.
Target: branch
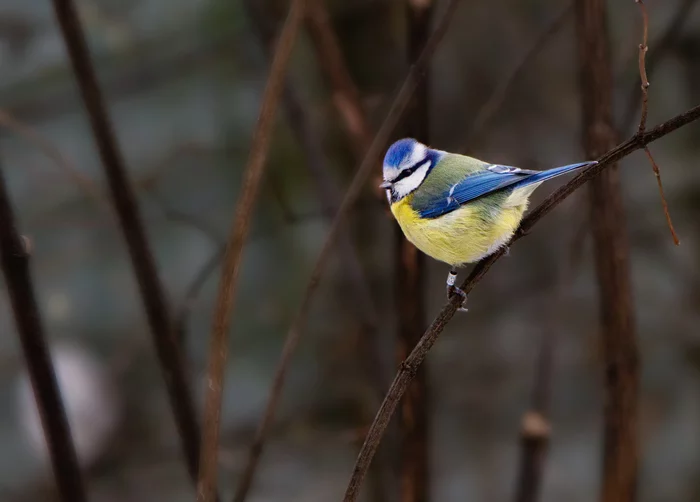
x: 643, y: 47
x: 489, y: 109
x: 232, y: 258
x: 328, y: 193
x: 656, y: 54
x: 611, y: 252
x: 346, y: 97
x: 124, y: 200
x: 413, y: 361
x: 370, y: 161
x: 15, y: 267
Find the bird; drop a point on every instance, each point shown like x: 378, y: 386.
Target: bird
x: 455, y: 208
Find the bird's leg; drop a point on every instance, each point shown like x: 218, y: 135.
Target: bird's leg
x: 452, y: 289
x: 507, y: 252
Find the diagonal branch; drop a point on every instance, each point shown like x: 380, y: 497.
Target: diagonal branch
x: 369, y: 162
x: 252, y: 178
x: 14, y: 259
x: 328, y: 193
x: 124, y: 200
x: 414, y: 360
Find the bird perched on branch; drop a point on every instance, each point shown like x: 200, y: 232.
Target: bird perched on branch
x: 455, y: 208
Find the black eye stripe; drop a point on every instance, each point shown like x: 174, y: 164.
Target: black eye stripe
x: 407, y: 172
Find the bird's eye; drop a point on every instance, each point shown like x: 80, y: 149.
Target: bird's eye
x: 409, y: 171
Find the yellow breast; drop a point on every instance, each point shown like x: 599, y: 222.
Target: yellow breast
x: 461, y: 236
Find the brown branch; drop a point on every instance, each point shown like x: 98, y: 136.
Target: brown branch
x: 656, y: 54
x: 409, y: 264
x: 346, y: 97
x: 664, y: 204
x: 611, y: 252
x: 643, y: 47
x: 328, y: 193
x: 369, y: 162
x: 488, y: 110
x: 15, y: 266
x: 536, y: 429
x: 232, y: 258
x: 415, y: 358
x: 124, y: 200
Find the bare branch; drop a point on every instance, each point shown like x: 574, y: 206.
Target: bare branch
x: 664, y: 204
x: 369, y: 162
x: 643, y: 47
x: 15, y: 266
x: 252, y: 177
x: 124, y: 200
x: 414, y: 360
x: 328, y: 193
x: 656, y: 54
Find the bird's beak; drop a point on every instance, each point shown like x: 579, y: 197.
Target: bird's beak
x: 386, y: 184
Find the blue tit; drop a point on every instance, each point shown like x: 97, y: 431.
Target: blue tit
x: 455, y: 208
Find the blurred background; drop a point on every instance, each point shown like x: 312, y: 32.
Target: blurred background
x: 183, y: 81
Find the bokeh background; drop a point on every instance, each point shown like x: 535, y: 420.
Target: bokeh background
x: 183, y: 80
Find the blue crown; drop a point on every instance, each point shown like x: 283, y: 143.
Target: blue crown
x: 399, y: 151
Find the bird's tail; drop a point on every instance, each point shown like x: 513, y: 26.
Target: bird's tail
x: 552, y: 173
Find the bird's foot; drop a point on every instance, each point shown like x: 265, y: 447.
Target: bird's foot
x: 507, y: 251
x: 454, y: 290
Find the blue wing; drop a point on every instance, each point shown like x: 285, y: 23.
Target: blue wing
x: 492, y: 179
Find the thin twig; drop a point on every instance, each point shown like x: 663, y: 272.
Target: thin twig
x: 409, y: 268
x: 52, y: 152
x: 643, y: 47
x: 328, y: 193
x: 15, y: 267
x: 124, y: 200
x: 413, y: 361
x: 656, y: 54
x: 252, y: 177
x: 346, y: 96
x: 489, y: 109
x: 664, y: 204
x: 369, y: 162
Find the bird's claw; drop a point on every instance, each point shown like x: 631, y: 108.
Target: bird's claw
x: 454, y: 290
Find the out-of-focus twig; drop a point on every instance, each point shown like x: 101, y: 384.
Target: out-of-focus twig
x: 410, y: 365
x: 611, y: 253
x: 234, y: 249
x: 489, y: 109
x: 409, y: 263
x: 52, y: 152
x: 346, y: 96
x: 328, y: 194
x: 14, y: 259
x: 124, y: 201
x: 643, y: 48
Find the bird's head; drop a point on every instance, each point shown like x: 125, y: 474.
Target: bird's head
x: 406, y: 164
